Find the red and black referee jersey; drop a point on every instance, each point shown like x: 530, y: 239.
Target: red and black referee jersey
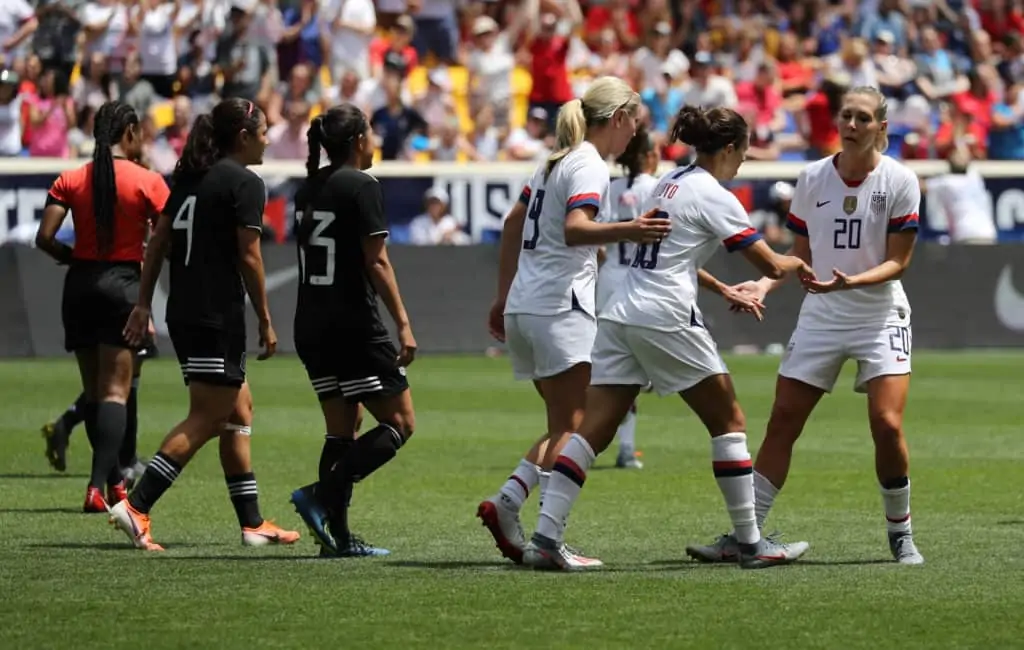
x: 141, y: 195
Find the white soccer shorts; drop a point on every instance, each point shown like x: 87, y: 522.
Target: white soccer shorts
x: 545, y: 346
x: 816, y: 357
x: 670, y: 361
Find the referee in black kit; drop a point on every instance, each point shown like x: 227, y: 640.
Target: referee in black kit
x: 339, y: 334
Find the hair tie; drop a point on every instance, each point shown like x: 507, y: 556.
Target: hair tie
x: 248, y: 111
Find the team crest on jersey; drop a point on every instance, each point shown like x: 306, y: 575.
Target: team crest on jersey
x: 878, y: 204
x: 850, y: 204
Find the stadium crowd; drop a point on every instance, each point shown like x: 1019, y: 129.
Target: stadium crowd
x: 481, y: 80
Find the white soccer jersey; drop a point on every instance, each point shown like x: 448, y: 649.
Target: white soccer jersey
x: 660, y: 289
x: 552, y: 277
x: 848, y: 227
x: 625, y: 198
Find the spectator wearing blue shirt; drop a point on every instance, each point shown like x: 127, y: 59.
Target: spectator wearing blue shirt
x: 887, y: 19
x: 663, y: 100
x: 1006, y: 137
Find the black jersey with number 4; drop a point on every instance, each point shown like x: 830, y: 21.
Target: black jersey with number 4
x: 335, y: 292
x: 206, y: 212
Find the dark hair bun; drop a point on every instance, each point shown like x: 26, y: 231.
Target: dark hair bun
x: 692, y: 127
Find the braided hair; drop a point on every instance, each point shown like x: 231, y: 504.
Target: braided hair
x: 111, y: 122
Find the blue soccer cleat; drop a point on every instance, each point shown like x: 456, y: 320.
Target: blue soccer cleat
x: 355, y: 547
x: 315, y: 515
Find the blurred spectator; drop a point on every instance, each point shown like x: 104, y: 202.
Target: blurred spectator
x: 52, y: 43
x: 705, y: 87
x: 305, y: 38
x: 288, y: 137
x: 652, y: 59
x: 299, y: 88
x: 435, y: 226
x: 350, y: 27
x: 244, y: 65
x: 133, y: 89
x: 94, y: 87
x: 51, y: 117
x: 893, y: 73
x: 529, y: 142
x: 818, y: 119
x: 938, y: 74
x: 663, y: 99
x: 449, y: 145
x: 617, y: 16
x: 177, y: 132
x: 80, y: 139
x: 485, y: 139
x: 157, y: 152
x: 436, y: 105
x: 795, y: 74
x: 852, y: 60
x: 889, y: 20
x: 762, y: 94
x: 395, y: 122
x: 106, y: 25
x: 1006, y: 138
x: 745, y: 58
x: 437, y: 30
x: 490, y: 61
x: 959, y: 199
x: 769, y: 220
x: 959, y: 130
x: 154, y: 21
x: 196, y: 78
x: 10, y: 114
x: 548, y: 50
x: 399, y: 41
x: 17, y: 22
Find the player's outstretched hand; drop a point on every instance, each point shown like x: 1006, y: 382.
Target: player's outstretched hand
x: 137, y: 326
x: 648, y: 228
x: 268, y: 341
x: 838, y: 282
x: 407, y: 347
x: 748, y: 302
x: 496, y: 320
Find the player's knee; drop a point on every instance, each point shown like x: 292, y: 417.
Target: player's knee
x: 403, y: 423
x: 786, y: 422
x: 886, y: 426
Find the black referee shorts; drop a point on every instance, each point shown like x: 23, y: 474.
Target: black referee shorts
x: 97, y: 300
x: 209, y: 355
x: 358, y: 371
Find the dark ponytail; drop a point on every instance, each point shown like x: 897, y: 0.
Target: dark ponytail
x: 109, y: 126
x: 336, y: 132
x: 632, y: 159
x: 710, y: 131
x: 214, y: 136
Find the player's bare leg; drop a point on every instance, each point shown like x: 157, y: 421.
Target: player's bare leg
x: 564, y: 398
x: 210, y: 406
x: 236, y: 460
x: 574, y: 456
x: 887, y: 399
x: 794, y: 403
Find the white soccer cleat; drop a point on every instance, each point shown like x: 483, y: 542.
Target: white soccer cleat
x: 502, y: 521
x: 904, y: 550
x: 134, y: 524
x: 771, y: 551
x: 723, y: 550
x: 548, y: 555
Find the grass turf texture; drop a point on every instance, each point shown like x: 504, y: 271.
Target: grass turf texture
x: 68, y: 580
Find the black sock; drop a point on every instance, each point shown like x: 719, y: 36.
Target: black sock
x: 158, y: 477
x: 74, y: 415
x: 245, y: 497
x: 126, y: 457
x: 368, y: 453
x: 109, y: 433
x: 334, y: 451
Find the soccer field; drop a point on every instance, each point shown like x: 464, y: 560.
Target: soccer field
x: 68, y: 580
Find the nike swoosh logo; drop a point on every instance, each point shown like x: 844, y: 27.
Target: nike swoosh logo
x: 821, y: 203
x: 1009, y: 302
x: 273, y: 281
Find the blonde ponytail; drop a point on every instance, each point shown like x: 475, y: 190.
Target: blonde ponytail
x: 570, y: 129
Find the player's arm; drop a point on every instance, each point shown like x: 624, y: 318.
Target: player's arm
x: 156, y: 251
x: 801, y: 248
x: 586, y: 187
x: 511, y: 244
x: 795, y: 223
x: 710, y: 282
x: 373, y: 229
x: 53, y: 217
x: 899, y: 248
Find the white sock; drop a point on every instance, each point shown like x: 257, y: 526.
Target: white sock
x: 524, y: 478
x: 627, y: 434
x: 567, y: 478
x: 733, y: 469
x: 544, y: 477
x: 897, y: 509
x: 764, y: 497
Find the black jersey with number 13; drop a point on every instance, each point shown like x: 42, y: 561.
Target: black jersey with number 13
x: 336, y: 296
x: 207, y: 210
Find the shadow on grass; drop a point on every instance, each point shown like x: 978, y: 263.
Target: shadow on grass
x: 84, y: 546
x: 841, y: 562
x: 43, y: 476
x: 235, y: 558
x: 42, y: 511
x: 1010, y: 522
x: 452, y: 565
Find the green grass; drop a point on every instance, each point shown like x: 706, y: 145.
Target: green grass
x: 67, y: 580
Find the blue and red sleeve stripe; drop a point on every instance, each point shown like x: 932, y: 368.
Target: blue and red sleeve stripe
x: 741, y: 240
x: 901, y: 224
x: 796, y: 224
x: 580, y: 200
x: 524, y: 196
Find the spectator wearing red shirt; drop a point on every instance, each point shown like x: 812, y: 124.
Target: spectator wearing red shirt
x: 763, y: 96
x: 818, y: 120
x: 398, y: 40
x: 1000, y: 17
x: 961, y: 129
x: 617, y: 15
x: 548, y: 51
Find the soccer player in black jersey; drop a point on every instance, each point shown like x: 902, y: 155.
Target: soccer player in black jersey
x: 339, y: 334
x: 212, y: 224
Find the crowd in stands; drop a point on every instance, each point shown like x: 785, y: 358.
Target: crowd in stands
x: 482, y: 80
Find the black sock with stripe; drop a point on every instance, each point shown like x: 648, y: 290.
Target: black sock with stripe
x: 160, y: 474
x: 246, y: 499
x: 368, y: 453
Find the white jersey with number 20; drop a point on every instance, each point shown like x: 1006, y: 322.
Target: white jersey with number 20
x: 660, y: 289
x: 848, y: 226
x: 552, y: 277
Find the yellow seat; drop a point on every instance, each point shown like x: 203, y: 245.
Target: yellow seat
x: 162, y: 114
x: 76, y: 74
x: 325, y: 77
